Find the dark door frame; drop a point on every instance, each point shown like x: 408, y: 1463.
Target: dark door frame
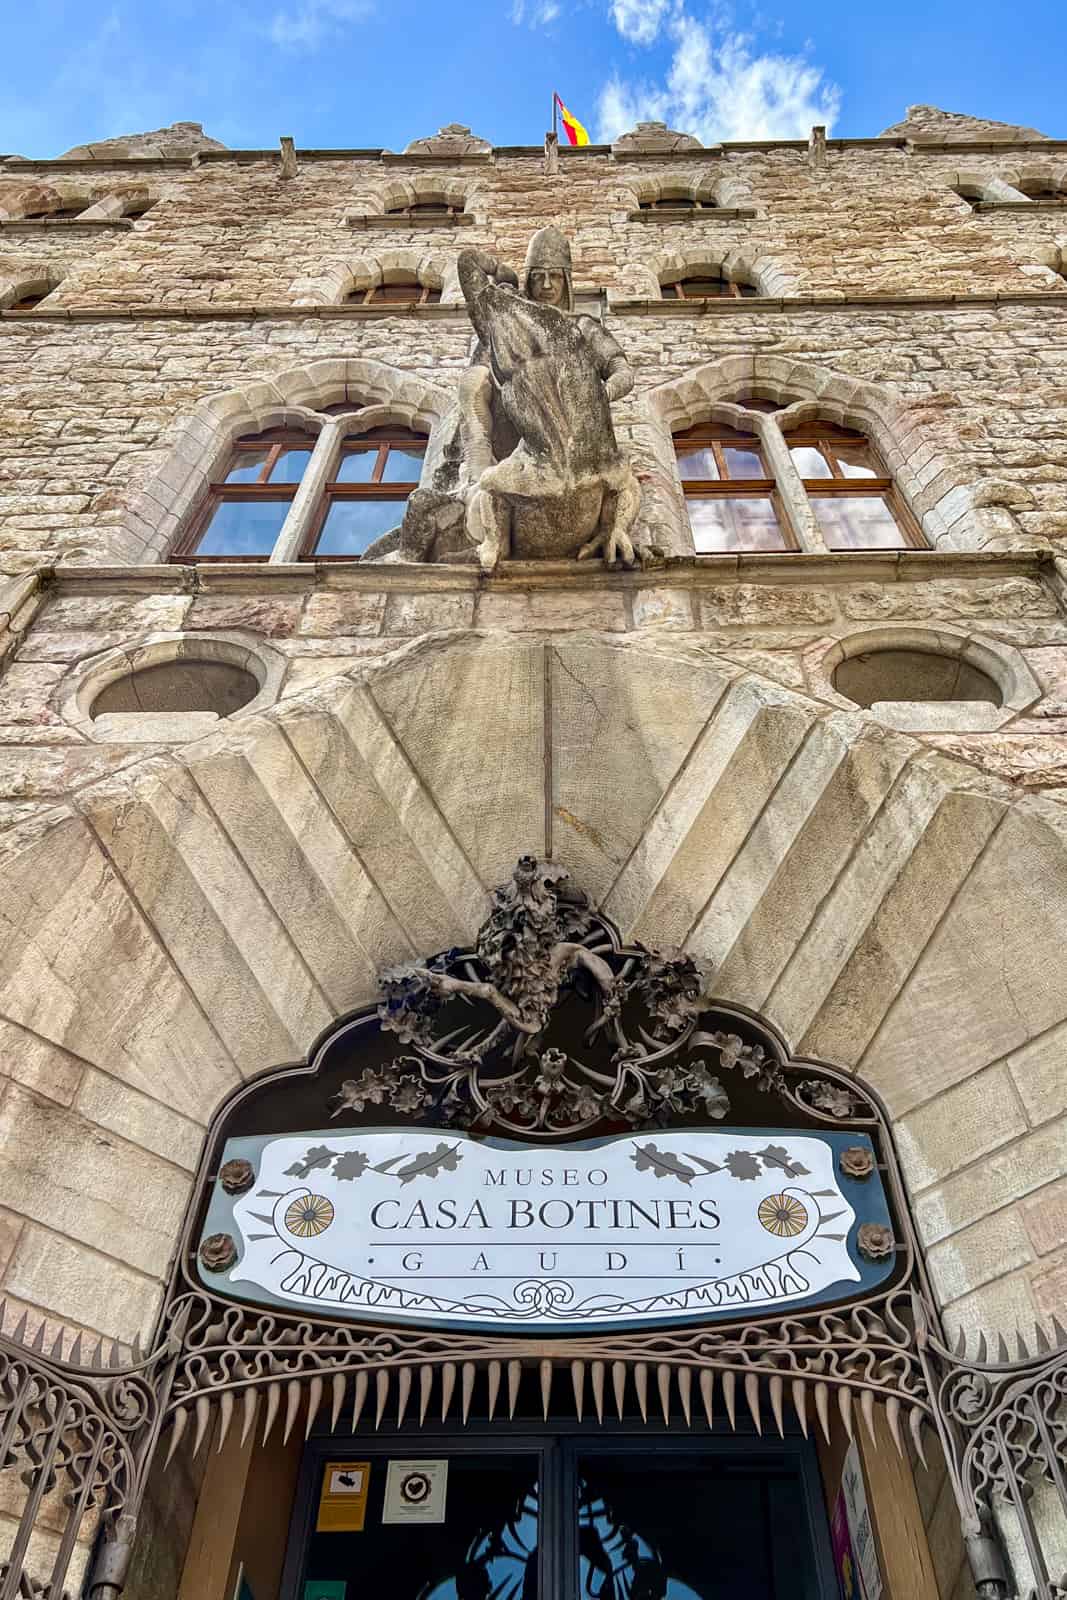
x: 556, y: 1444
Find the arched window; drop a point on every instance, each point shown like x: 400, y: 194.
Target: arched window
x: 356, y: 486
x: 139, y: 207
x: 372, y: 477
x: 425, y: 210
x: 27, y: 302
x: 243, y: 513
x: 707, y: 286
x: 737, y: 499
x: 851, y: 493
x: 679, y: 200
x: 409, y: 291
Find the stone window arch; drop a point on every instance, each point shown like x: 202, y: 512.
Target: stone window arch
x: 45, y: 202
x: 355, y: 279
x: 330, y: 398
x: 417, y: 201
x: 948, y: 513
x: 979, y: 188
x: 1053, y: 263
x: 1040, y: 183
x: 671, y: 194
x: 26, y: 288
x: 706, y: 262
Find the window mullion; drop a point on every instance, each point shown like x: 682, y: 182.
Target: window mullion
x: 318, y: 472
x: 794, y: 499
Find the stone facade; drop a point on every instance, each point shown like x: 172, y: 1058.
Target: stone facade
x: 185, y: 903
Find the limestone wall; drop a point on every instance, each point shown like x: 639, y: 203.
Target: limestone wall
x: 178, y: 915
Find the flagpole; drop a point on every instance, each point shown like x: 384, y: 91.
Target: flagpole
x: 555, y: 113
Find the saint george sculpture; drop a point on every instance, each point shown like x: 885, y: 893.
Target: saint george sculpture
x: 530, y: 469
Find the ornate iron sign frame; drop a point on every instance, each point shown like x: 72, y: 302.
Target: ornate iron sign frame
x: 549, y: 1028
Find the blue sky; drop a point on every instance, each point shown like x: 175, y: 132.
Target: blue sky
x: 381, y: 72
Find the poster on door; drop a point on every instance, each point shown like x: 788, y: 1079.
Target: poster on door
x: 859, y: 1574
x: 415, y: 1491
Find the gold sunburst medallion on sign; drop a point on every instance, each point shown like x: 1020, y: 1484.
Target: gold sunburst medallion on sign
x: 782, y: 1215
x: 308, y: 1216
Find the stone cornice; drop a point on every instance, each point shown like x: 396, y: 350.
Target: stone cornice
x: 12, y: 165
x: 761, y: 306
x: 794, y: 570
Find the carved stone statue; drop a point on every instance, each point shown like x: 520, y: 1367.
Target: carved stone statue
x: 530, y: 469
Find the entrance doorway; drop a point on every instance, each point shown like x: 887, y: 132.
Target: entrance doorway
x: 553, y: 1516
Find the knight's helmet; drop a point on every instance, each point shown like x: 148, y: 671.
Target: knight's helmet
x: 550, y: 252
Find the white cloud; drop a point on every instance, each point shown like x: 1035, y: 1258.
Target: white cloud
x: 718, y: 87
x: 538, y: 15
x: 306, y: 24
x: 640, y: 20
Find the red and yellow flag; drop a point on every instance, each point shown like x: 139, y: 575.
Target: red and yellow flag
x: 576, y: 134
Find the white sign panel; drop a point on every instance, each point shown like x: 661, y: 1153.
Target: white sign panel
x: 417, y: 1225
x: 415, y: 1491
x: 858, y: 1515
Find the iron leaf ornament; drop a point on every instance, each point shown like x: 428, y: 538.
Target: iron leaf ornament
x: 487, y: 1050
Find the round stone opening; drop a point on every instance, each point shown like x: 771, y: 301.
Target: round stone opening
x: 179, y: 686
x: 879, y: 676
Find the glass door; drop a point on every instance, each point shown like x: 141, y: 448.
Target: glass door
x: 579, y: 1516
x: 681, y: 1524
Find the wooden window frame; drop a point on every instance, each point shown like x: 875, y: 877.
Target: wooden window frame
x: 679, y: 203
x: 425, y: 295
x: 732, y: 290
x: 718, y: 437
x: 434, y: 208
x: 386, y: 439
x: 824, y: 436
x: 277, y: 444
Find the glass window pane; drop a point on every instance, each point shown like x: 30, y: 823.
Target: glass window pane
x: 743, y: 463
x: 247, y: 466
x: 741, y: 524
x: 856, y: 461
x: 357, y: 466
x: 810, y: 462
x: 351, y: 525
x: 402, y: 465
x: 857, y: 522
x: 290, y: 466
x: 695, y: 464
x: 705, y: 288
x: 243, y: 528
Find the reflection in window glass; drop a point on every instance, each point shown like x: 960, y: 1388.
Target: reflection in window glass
x: 290, y: 466
x: 809, y: 461
x: 247, y: 466
x: 356, y: 466
x: 857, y: 522
x: 735, y: 524
x: 855, y: 461
x: 351, y: 525
x: 402, y: 466
x: 694, y: 464
x: 243, y: 528
x: 743, y: 463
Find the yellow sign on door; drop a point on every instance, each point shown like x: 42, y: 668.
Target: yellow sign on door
x: 343, y: 1501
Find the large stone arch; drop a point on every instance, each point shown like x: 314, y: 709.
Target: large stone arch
x: 157, y: 513
x: 885, y: 907
x: 913, y: 437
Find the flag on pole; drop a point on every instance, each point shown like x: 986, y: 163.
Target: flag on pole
x: 576, y: 134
